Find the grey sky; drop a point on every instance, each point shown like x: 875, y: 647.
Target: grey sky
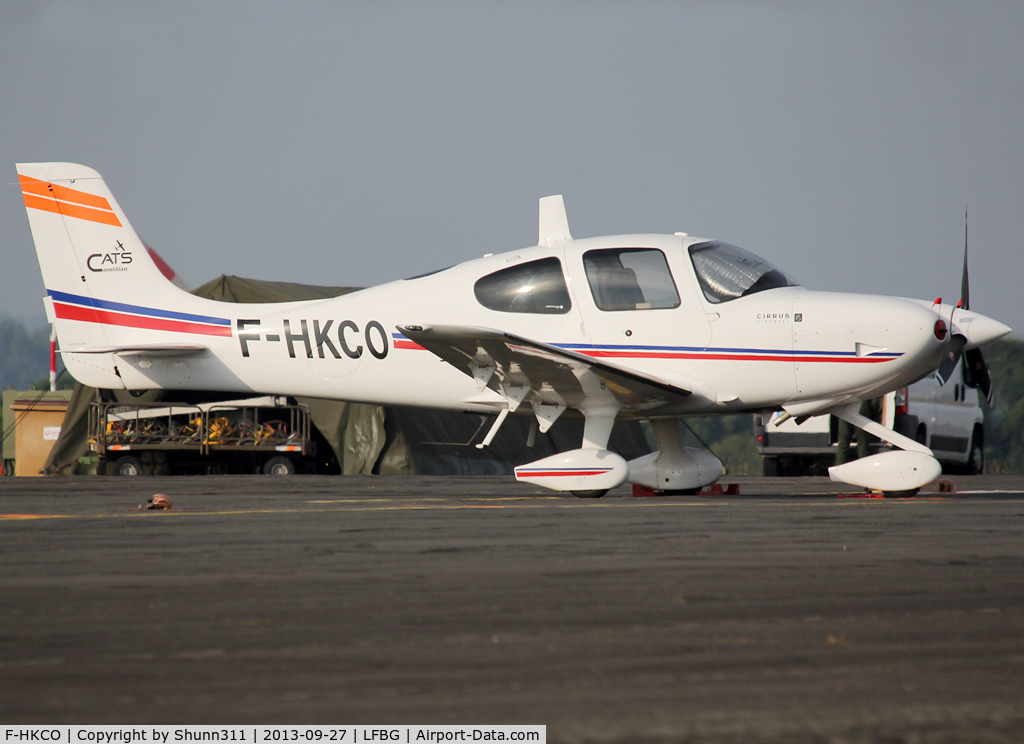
x: 354, y: 143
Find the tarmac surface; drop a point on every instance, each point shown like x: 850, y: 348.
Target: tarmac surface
x: 783, y: 614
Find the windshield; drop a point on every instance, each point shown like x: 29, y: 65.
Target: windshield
x: 726, y: 272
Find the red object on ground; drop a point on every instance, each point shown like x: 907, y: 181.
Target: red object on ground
x: 159, y: 501
x: 715, y: 489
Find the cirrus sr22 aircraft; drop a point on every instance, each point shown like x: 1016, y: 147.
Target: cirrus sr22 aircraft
x: 655, y: 327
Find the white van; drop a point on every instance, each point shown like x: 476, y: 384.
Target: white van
x: 947, y: 418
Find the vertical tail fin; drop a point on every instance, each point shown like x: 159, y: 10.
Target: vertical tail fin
x: 103, y: 288
x: 85, y: 244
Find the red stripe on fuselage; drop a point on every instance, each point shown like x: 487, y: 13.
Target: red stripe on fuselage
x: 727, y: 357
x: 548, y: 474
x: 106, y: 317
x: 702, y: 356
x: 401, y: 343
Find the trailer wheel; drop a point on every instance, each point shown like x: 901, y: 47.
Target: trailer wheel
x: 279, y: 465
x: 127, y: 465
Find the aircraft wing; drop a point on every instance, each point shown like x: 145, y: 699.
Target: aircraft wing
x: 524, y: 370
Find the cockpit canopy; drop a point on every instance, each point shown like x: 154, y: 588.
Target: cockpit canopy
x: 726, y: 272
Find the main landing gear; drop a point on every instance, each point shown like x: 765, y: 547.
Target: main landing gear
x: 897, y: 473
x: 591, y: 471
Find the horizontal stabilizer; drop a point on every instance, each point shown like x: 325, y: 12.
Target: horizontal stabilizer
x: 154, y: 350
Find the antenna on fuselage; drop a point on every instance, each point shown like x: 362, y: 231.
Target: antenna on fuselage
x: 554, y: 226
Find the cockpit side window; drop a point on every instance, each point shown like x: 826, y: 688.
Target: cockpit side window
x: 532, y: 287
x: 630, y: 279
x: 726, y: 272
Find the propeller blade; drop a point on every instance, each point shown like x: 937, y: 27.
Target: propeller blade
x: 965, y: 285
x: 978, y: 370
x: 951, y: 357
x: 975, y: 368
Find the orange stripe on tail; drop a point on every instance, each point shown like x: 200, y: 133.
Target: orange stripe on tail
x: 50, y: 197
x: 71, y: 210
x: 64, y: 193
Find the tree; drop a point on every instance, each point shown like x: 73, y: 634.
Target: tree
x: 24, y: 354
x: 1004, y: 420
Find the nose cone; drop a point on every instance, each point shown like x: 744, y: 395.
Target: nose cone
x: 979, y: 329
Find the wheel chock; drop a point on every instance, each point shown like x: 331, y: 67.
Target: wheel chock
x: 865, y: 495
x: 643, y: 492
x: 715, y: 489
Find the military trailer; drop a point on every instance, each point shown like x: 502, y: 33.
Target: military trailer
x: 260, y: 435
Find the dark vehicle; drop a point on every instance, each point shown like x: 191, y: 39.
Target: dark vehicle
x: 220, y: 438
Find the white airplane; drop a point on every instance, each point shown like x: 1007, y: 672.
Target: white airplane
x: 630, y: 326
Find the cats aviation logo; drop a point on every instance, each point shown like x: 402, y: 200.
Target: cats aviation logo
x: 117, y: 260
